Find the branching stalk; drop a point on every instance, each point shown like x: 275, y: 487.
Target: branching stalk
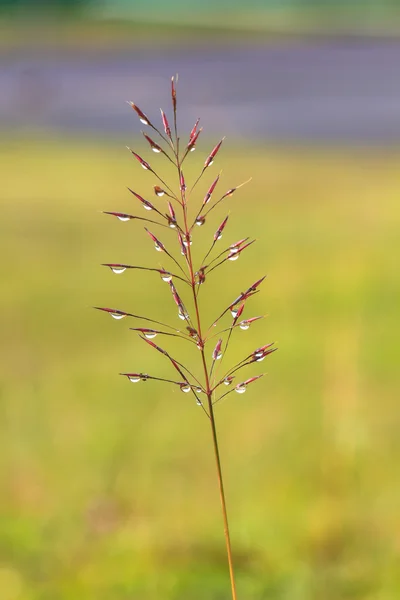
x: 193, y: 275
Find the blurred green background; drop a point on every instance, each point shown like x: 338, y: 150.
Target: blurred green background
x: 109, y: 490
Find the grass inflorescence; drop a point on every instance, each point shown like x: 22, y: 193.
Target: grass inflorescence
x: 186, y: 273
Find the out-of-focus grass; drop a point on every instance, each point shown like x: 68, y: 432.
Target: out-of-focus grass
x: 108, y: 490
x: 177, y: 28
x: 82, y: 35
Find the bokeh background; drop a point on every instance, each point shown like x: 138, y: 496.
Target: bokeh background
x: 108, y: 491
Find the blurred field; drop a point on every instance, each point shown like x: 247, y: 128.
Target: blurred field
x: 108, y: 490
x: 110, y: 25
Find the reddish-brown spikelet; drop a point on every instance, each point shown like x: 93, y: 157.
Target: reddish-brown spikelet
x: 157, y: 242
x: 155, y: 147
x: 250, y: 321
x: 253, y: 287
x: 143, y: 118
x: 228, y: 193
x: 173, y: 93
x: 260, y: 353
x: 237, y: 252
x: 144, y: 164
x: 167, y: 128
x: 217, y: 350
x: 207, y: 197
x: 182, y: 245
x: 144, y: 330
x: 239, y: 243
x: 175, y: 364
x: 182, y: 182
x: 239, y: 313
x: 158, y: 190
x: 171, y: 211
x: 154, y: 346
x: 200, y: 275
x: 210, y: 158
x: 172, y: 216
x: 119, y: 215
x: 113, y: 311
x: 251, y: 379
x: 192, y: 143
x: 175, y: 295
x: 194, y: 130
x: 145, y: 203
x: 218, y: 233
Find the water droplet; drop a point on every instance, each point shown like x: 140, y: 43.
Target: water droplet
x: 200, y: 221
x: 150, y: 334
x: 145, y: 167
x: 187, y: 243
x: 143, y: 377
x: 158, y: 191
x: 234, y: 250
x: 244, y: 325
x: 260, y: 358
x: 198, y: 390
x: 198, y: 402
x: 218, y: 237
x: 241, y: 388
x: 156, y: 150
x: 185, y: 388
x: 192, y: 149
x: 121, y: 218
x: 165, y: 276
x: 258, y: 354
x: 218, y: 356
x: 144, y: 121
x: 233, y: 256
x: 158, y: 248
x: 234, y: 312
x: 134, y: 378
x: 147, y: 206
x: 210, y: 163
x: 117, y: 316
x: 228, y: 380
x: 183, y: 315
x: 118, y: 270
x: 172, y: 223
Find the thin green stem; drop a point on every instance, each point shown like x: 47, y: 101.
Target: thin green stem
x: 210, y: 403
